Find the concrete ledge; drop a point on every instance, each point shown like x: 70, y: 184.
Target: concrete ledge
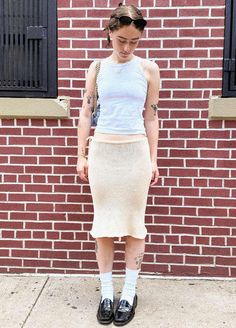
x: 34, y: 107
x: 222, y: 108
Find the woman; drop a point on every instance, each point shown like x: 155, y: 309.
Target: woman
x: 122, y: 159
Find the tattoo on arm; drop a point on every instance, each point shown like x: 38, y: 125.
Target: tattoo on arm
x: 155, y: 108
x: 81, y: 152
x: 139, y: 260
x: 90, y: 102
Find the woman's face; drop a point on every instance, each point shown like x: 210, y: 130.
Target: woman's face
x: 125, y: 41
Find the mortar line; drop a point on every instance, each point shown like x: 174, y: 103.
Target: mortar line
x: 37, y: 298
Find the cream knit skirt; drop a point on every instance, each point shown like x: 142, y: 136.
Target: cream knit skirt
x: 119, y: 177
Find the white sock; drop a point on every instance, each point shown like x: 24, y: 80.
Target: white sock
x: 129, y: 288
x: 106, y: 285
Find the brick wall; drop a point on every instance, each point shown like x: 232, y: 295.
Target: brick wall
x: 46, y: 213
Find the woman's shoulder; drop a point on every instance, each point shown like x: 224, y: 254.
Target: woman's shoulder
x: 149, y: 65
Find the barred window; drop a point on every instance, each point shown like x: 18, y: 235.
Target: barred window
x: 28, y: 48
x: 229, y: 76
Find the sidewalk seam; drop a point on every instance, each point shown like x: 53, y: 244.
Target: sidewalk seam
x: 28, y: 315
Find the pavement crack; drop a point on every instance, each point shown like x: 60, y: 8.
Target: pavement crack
x: 37, y: 298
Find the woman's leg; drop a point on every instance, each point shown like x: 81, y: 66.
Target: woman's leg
x: 105, y: 256
x: 134, y: 252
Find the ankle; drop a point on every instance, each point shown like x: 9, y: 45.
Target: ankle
x: 106, y: 286
x: 129, y: 289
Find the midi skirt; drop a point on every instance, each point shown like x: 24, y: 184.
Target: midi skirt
x: 119, y: 175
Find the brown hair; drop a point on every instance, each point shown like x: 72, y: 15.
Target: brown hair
x: 122, y: 10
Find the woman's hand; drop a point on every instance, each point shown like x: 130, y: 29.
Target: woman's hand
x: 155, y: 174
x: 82, y: 168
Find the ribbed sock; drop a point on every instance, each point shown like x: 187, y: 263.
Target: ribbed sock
x: 106, y: 285
x: 129, y: 288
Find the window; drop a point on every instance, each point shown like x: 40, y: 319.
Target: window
x: 28, y: 48
x: 229, y: 76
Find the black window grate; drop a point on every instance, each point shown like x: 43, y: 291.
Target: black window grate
x: 229, y: 76
x: 28, y: 32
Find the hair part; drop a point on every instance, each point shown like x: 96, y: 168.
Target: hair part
x: 122, y: 10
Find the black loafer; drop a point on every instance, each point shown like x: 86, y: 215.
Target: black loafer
x: 125, y: 312
x: 105, y: 313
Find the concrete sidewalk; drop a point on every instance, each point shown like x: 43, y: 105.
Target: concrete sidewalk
x: 71, y: 302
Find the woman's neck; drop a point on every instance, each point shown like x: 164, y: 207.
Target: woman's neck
x: 116, y: 59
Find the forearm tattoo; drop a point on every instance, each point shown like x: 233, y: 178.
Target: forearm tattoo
x: 139, y: 260
x: 89, y: 100
x: 155, y: 108
x: 81, y: 152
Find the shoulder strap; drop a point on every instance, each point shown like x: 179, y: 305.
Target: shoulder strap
x: 98, y: 65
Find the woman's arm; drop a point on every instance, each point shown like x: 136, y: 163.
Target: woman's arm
x: 151, y: 122
x: 85, y: 122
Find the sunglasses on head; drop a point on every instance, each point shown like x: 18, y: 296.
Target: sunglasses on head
x: 126, y: 20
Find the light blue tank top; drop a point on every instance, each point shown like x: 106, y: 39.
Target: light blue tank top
x: 122, y: 90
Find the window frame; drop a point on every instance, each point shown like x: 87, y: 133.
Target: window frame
x: 49, y: 88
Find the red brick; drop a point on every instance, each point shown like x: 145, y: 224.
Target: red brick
x: 179, y: 3
x: 215, y: 231
x: 53, y: 254
x: 233, y: 272
x: 199, y: 260
x: 214, y: 271
x: 197, y: 202
x: 217, y: 32
x: 216, y: 251
x: 39, y: 207
x: 194, y: 12
x: 36, y: 263
x: 169, y: 259
x: 39, y: 235
x: 198, y: 221
x: 218, y: 241
x: 187, y: 240
x: 12, y: 207
x: 213, y: 3
x: 38, y: 151
x: 11, y: 243
x: 23, y: 234
x: 38, y: 244
x: 22, y: 197
x: 183, y: 211
x: 231, y: 241
x: 186, y: 249
x: 11, y: 262
x: 225, y: 202
x: 9, y: 224
x: 63, y: 3
x: 8, y: 233
x: 183, y: 270
x: 11, y: 169
x: 38, y: 225
x: 67, y: 226
x: 67, y: 245
x: 202, y: 240
x: 81, y: 3
x: 4, y: 252
x: 88, y: 23
x: 24, y: 253
x: 209, y: 22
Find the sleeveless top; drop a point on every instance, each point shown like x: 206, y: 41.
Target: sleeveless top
x: 122, y: 90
